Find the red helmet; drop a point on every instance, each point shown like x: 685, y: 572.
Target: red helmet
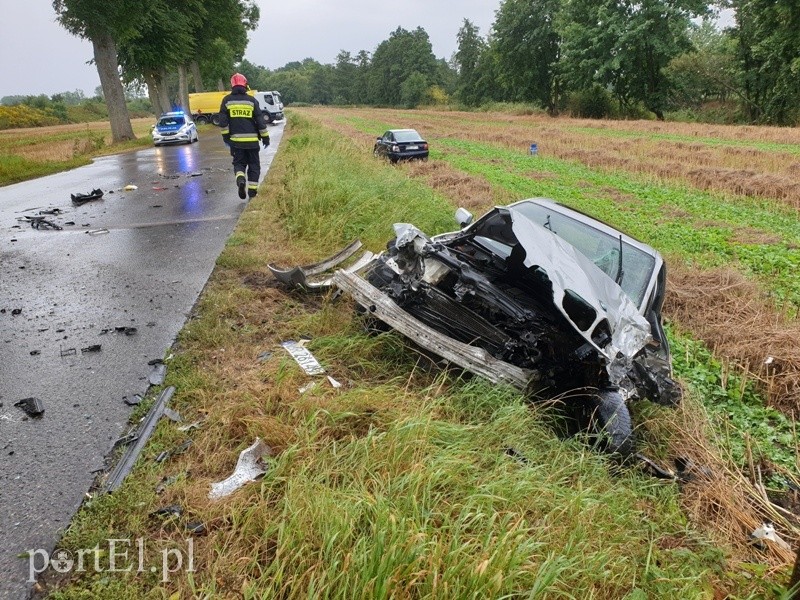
x: 238, y: 79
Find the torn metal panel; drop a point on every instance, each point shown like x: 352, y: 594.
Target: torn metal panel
x: 304, y: 358
x: 569, y: 270
x: 473, y: 359
x: 300, y: 276
x: 248, y: 468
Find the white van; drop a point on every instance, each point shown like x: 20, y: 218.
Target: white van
x: 271, y: 105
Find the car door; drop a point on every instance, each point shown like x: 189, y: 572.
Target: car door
x: 384, y: 144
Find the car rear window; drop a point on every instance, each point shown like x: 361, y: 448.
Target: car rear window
x: 407, y: 136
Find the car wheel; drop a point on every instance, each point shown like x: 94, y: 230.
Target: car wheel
x: 610, y: 423
x: 201, y: 120
x: 375, y: 152
x: 215, y: 119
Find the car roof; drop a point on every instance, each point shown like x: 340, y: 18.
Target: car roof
x: 598, y: 224
x: 402, y: 130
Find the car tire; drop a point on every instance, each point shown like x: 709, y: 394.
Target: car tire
x: 215, y: 119
x: 610, y: 423
x: 375, y: 152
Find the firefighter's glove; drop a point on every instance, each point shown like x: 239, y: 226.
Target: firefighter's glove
x: 265, y: 141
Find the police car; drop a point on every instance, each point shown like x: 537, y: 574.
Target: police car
x: 174, y: 128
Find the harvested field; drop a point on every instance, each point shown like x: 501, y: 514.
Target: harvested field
x: 758, y: 162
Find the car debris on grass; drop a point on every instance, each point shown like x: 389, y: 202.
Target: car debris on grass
x: 535, y: 295
x: 249, y: 467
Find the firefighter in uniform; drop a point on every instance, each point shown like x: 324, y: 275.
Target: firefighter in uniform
x: 243, y: 127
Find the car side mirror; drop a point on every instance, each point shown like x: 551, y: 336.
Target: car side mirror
x: 378, y: 139
x: 463, y: 217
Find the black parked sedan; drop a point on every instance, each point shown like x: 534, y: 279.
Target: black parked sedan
x: 401, y: 144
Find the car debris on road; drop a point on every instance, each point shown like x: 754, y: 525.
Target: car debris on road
x: 40, y: 221
x: 96, y: 194
x: 535, y: 295
x: 32, y: 407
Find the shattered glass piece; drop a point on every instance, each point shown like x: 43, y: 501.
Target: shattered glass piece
x: 248, y: 468
x: 304, y: 358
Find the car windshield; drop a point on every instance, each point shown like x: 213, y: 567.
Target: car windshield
x: 407, y: 135
x: 175, y: 121
x: 268, y: 99
x: 600, y: 247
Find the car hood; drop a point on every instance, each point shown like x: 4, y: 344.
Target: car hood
x: 570, y: 270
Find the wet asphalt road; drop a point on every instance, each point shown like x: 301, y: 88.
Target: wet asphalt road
x: 134, y: 259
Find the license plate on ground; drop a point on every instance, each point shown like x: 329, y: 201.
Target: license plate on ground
x: 412, y: 147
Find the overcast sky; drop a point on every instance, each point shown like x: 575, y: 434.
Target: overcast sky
x: 37, y: 56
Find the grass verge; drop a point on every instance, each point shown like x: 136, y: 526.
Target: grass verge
x: 398, y: 484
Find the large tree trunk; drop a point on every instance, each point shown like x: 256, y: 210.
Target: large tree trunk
x: 183, y: 88
x: 163, y: 92
x: 105, y: 57
x: 152, y: 93
x: 221, y: 85
x: 198, y: 79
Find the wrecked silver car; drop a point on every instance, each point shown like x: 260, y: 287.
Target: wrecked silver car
x: 533, y: 294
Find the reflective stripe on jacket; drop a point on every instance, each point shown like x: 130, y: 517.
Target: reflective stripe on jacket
x: 243, y: 124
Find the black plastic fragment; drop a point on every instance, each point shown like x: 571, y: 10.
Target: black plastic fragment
x: 83, y: 198
x: 196, y: 528
x: 92, y: 348
x: 33, y: 407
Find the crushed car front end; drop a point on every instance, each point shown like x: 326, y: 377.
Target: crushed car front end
x: 536, y: 295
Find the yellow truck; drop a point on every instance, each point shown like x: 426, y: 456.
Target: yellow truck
x: 204, y: 106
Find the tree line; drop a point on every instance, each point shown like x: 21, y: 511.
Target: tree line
x: 592, y: 58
